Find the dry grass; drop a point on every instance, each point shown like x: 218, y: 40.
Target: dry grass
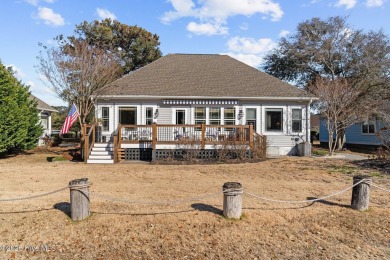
x: 196, y: 230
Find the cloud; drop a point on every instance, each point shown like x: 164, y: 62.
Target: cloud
x: 283, y: 33
x: 347, y: 3
x: 249, y: 50
x: 207, y: 28
x: 49, y: 17
x: 374, y: 3
x: 215, y: 13
x: 250, y: 45
x: 244, y: 26
x: 104, y: 14
x: 249, y: 59
x: 18, y: 73
x: 36, y: 2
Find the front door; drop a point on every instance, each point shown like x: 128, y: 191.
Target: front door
x: 180, y: 116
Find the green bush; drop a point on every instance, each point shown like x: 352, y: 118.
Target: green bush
x: 19, y: 121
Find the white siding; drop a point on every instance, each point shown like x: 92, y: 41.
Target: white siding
x: 165, y: 115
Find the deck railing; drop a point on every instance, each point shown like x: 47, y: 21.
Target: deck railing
x: 89, y: 131
x: 174, y: 134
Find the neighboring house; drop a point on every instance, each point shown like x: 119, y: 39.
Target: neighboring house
x: 186, y: 89
x: 360, y: 134
x: 44, y: 114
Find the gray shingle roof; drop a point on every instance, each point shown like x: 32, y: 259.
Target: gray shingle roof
x: 201, y: 75
x: 42, y: 105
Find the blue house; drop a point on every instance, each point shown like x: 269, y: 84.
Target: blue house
x: 357, y: 135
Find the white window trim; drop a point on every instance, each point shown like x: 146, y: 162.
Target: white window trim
x: 263, y: 128
x: 258, y: 111
x: 174, y: 109
x: 303, y: 130
x: 236, y: 111
x: 369, y: 122
x: 144, y: 106
x: 139, y: 114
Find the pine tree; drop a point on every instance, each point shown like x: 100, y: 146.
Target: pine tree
x: 19, y: 122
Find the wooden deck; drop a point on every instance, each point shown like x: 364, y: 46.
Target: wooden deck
x: 155, y: 134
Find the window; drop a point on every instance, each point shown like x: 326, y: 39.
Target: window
x: 200, y: 115
x: 368, y: 128
x: 45, y: 120
x: 274, y: 120
x: 230, y: 116
x: 297, y: 120
x: 215, y: 116
x: 128, y: 115
x: 105, y: 118
x: 251, y: 117
x: 149, y: 115
x: 44, y: 123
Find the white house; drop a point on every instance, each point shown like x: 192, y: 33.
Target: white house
x: 190, y: 89
x: 44, y: 114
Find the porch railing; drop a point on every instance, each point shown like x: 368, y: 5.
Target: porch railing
x: 175, y: 134
x: 88, y: 141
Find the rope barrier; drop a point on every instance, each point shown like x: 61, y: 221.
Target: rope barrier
x: 304, y: 201
x: 172, y: 202
x: 379, y: 187
x: 35, y: 196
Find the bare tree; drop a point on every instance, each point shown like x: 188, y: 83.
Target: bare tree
x: 342, y: 104
x: 77, y: 72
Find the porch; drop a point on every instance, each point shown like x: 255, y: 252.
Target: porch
x: 158, y: 140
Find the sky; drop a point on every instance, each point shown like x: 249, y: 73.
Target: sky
x: 243, y: 29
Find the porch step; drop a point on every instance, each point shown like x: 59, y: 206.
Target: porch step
x: 106, y: 145
x: 100, y: 161
x: 94, y: 152
x: 101, y: 153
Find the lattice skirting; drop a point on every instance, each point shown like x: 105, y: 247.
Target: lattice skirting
x: 145, y: 154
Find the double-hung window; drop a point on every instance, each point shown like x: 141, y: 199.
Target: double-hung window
x: 200, y: 115
x: 215, y: 115
x: 297, y: 120
x: 229, y: 116
x: 105, y: 118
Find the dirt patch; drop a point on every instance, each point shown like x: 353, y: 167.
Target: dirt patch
x: 41, y: 228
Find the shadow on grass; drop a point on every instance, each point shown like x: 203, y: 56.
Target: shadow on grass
x: 208, y: 208
x: 25, y: 211
x: 64, y: 207
x: 381, y: 166
x: 329, y: 203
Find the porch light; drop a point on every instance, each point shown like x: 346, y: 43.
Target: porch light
x: 156, y: 113
x: 240, y: 114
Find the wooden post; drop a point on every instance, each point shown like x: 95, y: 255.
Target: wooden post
x: 232, y: 199
x: 251, y: 137
x: 79, y: 199
x: 154, y: 136
x: 361, y: 192
x: 115, y: 148
x: 86, y: 145
x: 203, y: 136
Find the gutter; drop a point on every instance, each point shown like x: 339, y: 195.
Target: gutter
x: 309, y: 99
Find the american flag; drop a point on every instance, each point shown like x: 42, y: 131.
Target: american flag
x: 70, y: 119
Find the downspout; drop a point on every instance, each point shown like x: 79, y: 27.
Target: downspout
x: 308, y: 121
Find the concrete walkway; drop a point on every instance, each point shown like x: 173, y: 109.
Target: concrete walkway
x: 346, y: 156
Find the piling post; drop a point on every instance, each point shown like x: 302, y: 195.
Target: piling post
x: 232, y: 200
x: 79, y: 199
x: 361, y: 192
